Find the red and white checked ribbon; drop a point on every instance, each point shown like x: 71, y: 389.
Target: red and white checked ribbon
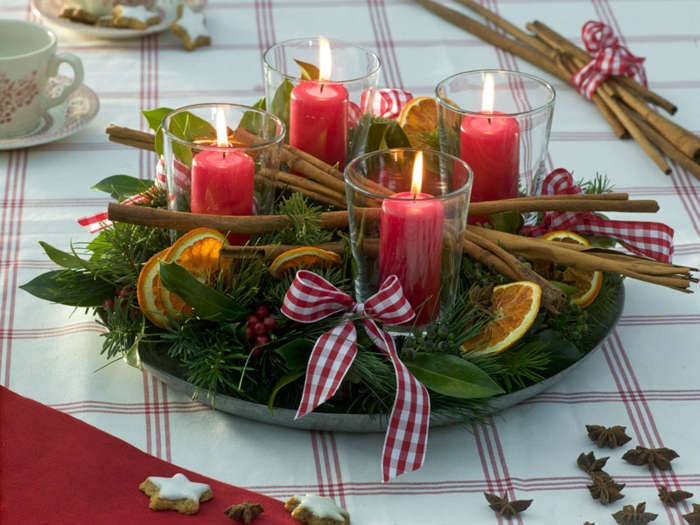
x: 610, y: 58
x: 386, y: 103
x: 650, y: 239
x: 181, y: 178
x: 311, y: 298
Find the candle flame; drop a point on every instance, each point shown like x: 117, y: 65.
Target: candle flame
x: 221, y: 129
x: 325, y: 62
x: 488, y: 95
x: 417, y: 181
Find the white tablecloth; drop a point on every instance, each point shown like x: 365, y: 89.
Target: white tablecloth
x: 645, y: 378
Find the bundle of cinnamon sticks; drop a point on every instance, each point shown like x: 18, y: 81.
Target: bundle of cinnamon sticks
x: 628, y: 106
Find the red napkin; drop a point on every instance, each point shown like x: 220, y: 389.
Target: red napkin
x: 57, y: 470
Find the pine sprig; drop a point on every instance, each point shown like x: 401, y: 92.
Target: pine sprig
x: 305, y: 221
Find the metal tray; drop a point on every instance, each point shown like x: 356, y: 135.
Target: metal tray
x: 167, y: 370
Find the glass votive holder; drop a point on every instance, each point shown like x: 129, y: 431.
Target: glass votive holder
x: 414, y: 233
x: 323, y: 90
x: 222, y: 159
x: 498, y: 122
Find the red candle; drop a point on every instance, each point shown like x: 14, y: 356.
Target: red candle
x: 318, y: 120
x: 410, y: 247
x: 318, y: 115
x: 489, y: 143
x: 223, y: 183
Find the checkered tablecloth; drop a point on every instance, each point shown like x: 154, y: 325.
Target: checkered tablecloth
x: 646, y: 377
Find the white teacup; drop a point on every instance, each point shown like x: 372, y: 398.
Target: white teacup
x: 27, y: 60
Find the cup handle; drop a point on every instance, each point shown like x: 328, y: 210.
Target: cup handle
x: 78, y: 75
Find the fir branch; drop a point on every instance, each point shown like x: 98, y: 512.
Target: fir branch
x: 305, y: 222
x: 598, y: 185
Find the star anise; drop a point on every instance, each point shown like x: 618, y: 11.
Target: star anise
x: 590, y: 465
x: 244, y: 512
x: 694, y: 517
x: 605, y: 490
x: 611, y: 436
x: 629, y: 515
x: 671, y: 497
x: 653, y: 457
x: 506, y: 508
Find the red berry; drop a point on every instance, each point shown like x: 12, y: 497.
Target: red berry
x: 252, y: 321
x: 257, y: 350
x: 260, y: 328
x: 108, y: 304
x: 124, y: 293
x: 262, y: 312
x: 270, y: 323
x: 261, y: 340
x: 249, y: 332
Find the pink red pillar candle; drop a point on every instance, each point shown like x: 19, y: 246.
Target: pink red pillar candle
x: 489, y: 143
x: 410, y: 246
x: 223, y: 183
x: 318, y: 120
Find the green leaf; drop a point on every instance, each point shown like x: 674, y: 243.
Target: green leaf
x: 308, y: 71
x: 375, y: 136
x: 280, y: 102
x: 562, y: 354
x: 187, y: 126
x: 206, y: 301
x: 296, y: 353
x: 287, y: 378
x: 155, y: 117
x: 69, y: 288
x: 63, y: 259
x: 452, y: 376
x: 396, y: 137
x: 566, y: 288
x: 507, y: 221
x: 253, y: 121
x: 123, y: 186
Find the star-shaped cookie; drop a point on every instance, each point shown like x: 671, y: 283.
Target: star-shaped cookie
x: 176, y: 493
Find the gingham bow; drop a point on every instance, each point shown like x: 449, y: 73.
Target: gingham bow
x: 311, y: 298
x: 650, y: 239
x: 610, y: 58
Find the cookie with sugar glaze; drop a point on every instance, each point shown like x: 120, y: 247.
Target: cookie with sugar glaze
x: 176, y: 493
x: 190, y: 27
x: 134, y: 17
x: 317, y: 510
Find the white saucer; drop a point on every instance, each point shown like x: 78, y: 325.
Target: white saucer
x: 75, y: 113
x: 50, y: 9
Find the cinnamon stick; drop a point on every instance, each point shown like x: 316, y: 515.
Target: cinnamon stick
x: 159, y: 218
x: 540, y: 250
x: 131, y: 137
x: 671, y: 151
x: 270, y: 251
x: 494, y: 38
x: 552, y: 297
x: 307, y: 184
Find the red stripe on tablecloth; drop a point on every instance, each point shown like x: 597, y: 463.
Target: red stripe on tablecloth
x: 573, y: 398
x: 57, y: 331
x: 338, y: 471
x: 328, y: 470
x: 166, y: 423
x: 147, y: 402
x: 384, y: 44
x: 9, y: 248
x: 105, y: 407
x: 639, y: 411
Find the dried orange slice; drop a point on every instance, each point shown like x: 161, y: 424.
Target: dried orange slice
x: 305, y: 257
x: 418, y: 116
x: 198, y: 252
x: 148, y: 290
x: 515, y: 307
x: 587, y: 281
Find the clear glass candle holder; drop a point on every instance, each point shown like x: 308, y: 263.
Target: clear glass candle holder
x: 228, y: 172
x: 415, y: 234
x: 498, y: 122
x: 329, y: 116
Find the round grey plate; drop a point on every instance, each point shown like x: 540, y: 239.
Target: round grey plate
x: 164, y: 369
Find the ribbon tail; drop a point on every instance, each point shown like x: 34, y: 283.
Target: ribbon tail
x: 406, y: 438
x: 330, y: 360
